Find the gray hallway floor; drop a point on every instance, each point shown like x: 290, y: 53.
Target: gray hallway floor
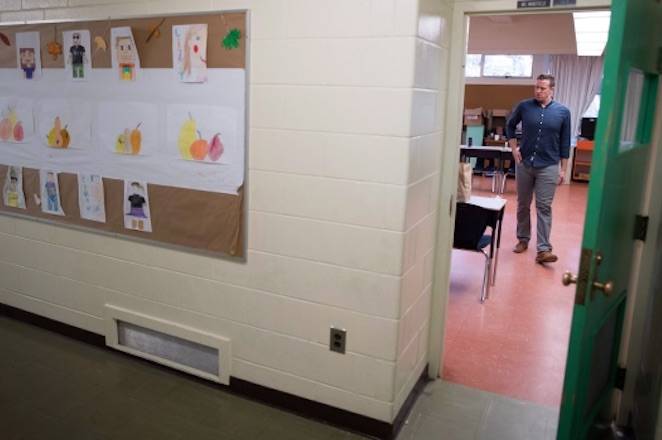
x: 54, y: 387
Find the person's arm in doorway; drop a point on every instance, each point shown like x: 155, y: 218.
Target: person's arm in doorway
x: 511, y: 126
x: 564, y: 164
x: 565, y: 146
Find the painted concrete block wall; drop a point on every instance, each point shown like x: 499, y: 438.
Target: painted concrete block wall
x: 344, y: 140
x: 430, y: 73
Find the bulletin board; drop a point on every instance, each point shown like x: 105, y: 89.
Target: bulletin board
x: 177, y: 133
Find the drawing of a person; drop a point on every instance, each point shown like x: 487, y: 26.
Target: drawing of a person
x: 12, y: 191
x: 95, y: 194
x: 51, y: 192
x: 137, y: 201
x: 77, y: 57
x: 28, y: 64
x: 126, y: 58
x: 195, y: 50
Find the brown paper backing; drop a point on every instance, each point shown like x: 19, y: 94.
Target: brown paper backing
x: 155, y: 54
x: 201, y: 220
x: 490, y: 96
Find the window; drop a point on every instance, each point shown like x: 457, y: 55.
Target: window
x: 473, y: 65
x: 508, y: 65
x: 503, y: 66
x: 593, y: 109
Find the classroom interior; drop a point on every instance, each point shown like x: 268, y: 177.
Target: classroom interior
x: 515, y: 343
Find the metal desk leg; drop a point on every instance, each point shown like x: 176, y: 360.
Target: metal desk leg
x: 497, y: 232
x: 494, y: 266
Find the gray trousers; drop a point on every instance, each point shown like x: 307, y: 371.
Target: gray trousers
x: 542, y: 182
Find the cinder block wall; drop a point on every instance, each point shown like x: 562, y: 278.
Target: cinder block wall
x: 344, y: 151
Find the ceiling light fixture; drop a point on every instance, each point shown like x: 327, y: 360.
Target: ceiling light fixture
x: 591, y: 31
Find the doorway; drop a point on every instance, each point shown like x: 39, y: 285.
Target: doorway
x: 515, y: 344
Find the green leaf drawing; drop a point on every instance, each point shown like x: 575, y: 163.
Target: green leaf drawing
x: 231, y: 40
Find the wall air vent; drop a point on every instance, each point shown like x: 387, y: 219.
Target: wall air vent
x: 184, y: 348
x: 168, y: 347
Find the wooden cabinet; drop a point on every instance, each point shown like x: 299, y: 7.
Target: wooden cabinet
x: 581, y: 162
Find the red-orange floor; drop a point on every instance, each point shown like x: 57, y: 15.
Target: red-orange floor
x: 515, y: 343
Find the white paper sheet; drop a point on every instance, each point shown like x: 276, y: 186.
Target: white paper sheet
x: 161, y: 163
x: 12, y: 193
x: 16, y: 120
x: 91, y: 199
x: 28, y: 54
x: 77, y: 54
x: 137, y: 215
x: 189, y: 52
x: 50, y: 192
x: 124, y: 54
x: 202, y: 133
x: 128, y: 128
x: 75, y: 123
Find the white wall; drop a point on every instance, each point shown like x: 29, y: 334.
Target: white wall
x: 344, y: 143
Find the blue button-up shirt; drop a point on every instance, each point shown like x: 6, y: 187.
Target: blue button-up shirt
x: 545, y: 132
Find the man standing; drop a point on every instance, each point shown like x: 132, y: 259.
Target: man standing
x: 545, y: 144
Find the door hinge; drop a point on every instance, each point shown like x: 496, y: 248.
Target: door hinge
x: 640, y: 227
x: 619, y: 381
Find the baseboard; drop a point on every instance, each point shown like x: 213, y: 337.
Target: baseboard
x: 308, y: 408
x: 55, y: 326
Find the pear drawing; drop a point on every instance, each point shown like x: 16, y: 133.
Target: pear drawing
x: 13, y: 118
x: 55, y: 134
x: 127, y: 139
x: 66, y: 138
x: 120, y: 143
x: 5, y: 129
x: 8, y: 127
x: 187, y: 135
x: 136, y: 140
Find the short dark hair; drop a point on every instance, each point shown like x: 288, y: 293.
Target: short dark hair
x: 546, y: 77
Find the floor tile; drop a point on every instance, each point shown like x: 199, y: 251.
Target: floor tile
x: 515, y: 343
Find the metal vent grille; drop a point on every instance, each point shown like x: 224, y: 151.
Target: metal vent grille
x: 171, y: 348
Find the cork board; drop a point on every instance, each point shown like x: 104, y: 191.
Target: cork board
x: 155, y: 54
x: 211, y: 222
x: 196, y: 219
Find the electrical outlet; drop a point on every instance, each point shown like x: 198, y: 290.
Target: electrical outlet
x: 337, y: 340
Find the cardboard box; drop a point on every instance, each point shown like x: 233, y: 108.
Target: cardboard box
x: 497, y: 118
x: 499, y: 112
x: 473, y: 116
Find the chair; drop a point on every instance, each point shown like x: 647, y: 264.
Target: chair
x: 510, y: 171
x: 471, y: 221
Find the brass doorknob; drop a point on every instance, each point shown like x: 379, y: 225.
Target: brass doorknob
x: 607, y: 288
x: 569, y: 278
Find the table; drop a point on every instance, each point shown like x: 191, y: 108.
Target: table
x: 497, y: 207
x: 499, y: 154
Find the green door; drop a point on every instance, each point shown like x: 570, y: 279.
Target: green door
x: 618, y: 174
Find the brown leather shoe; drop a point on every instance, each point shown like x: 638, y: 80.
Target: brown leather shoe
x: 546, y: 257
x: 520, y: 247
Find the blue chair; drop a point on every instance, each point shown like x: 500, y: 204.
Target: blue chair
x: 471, y: 222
